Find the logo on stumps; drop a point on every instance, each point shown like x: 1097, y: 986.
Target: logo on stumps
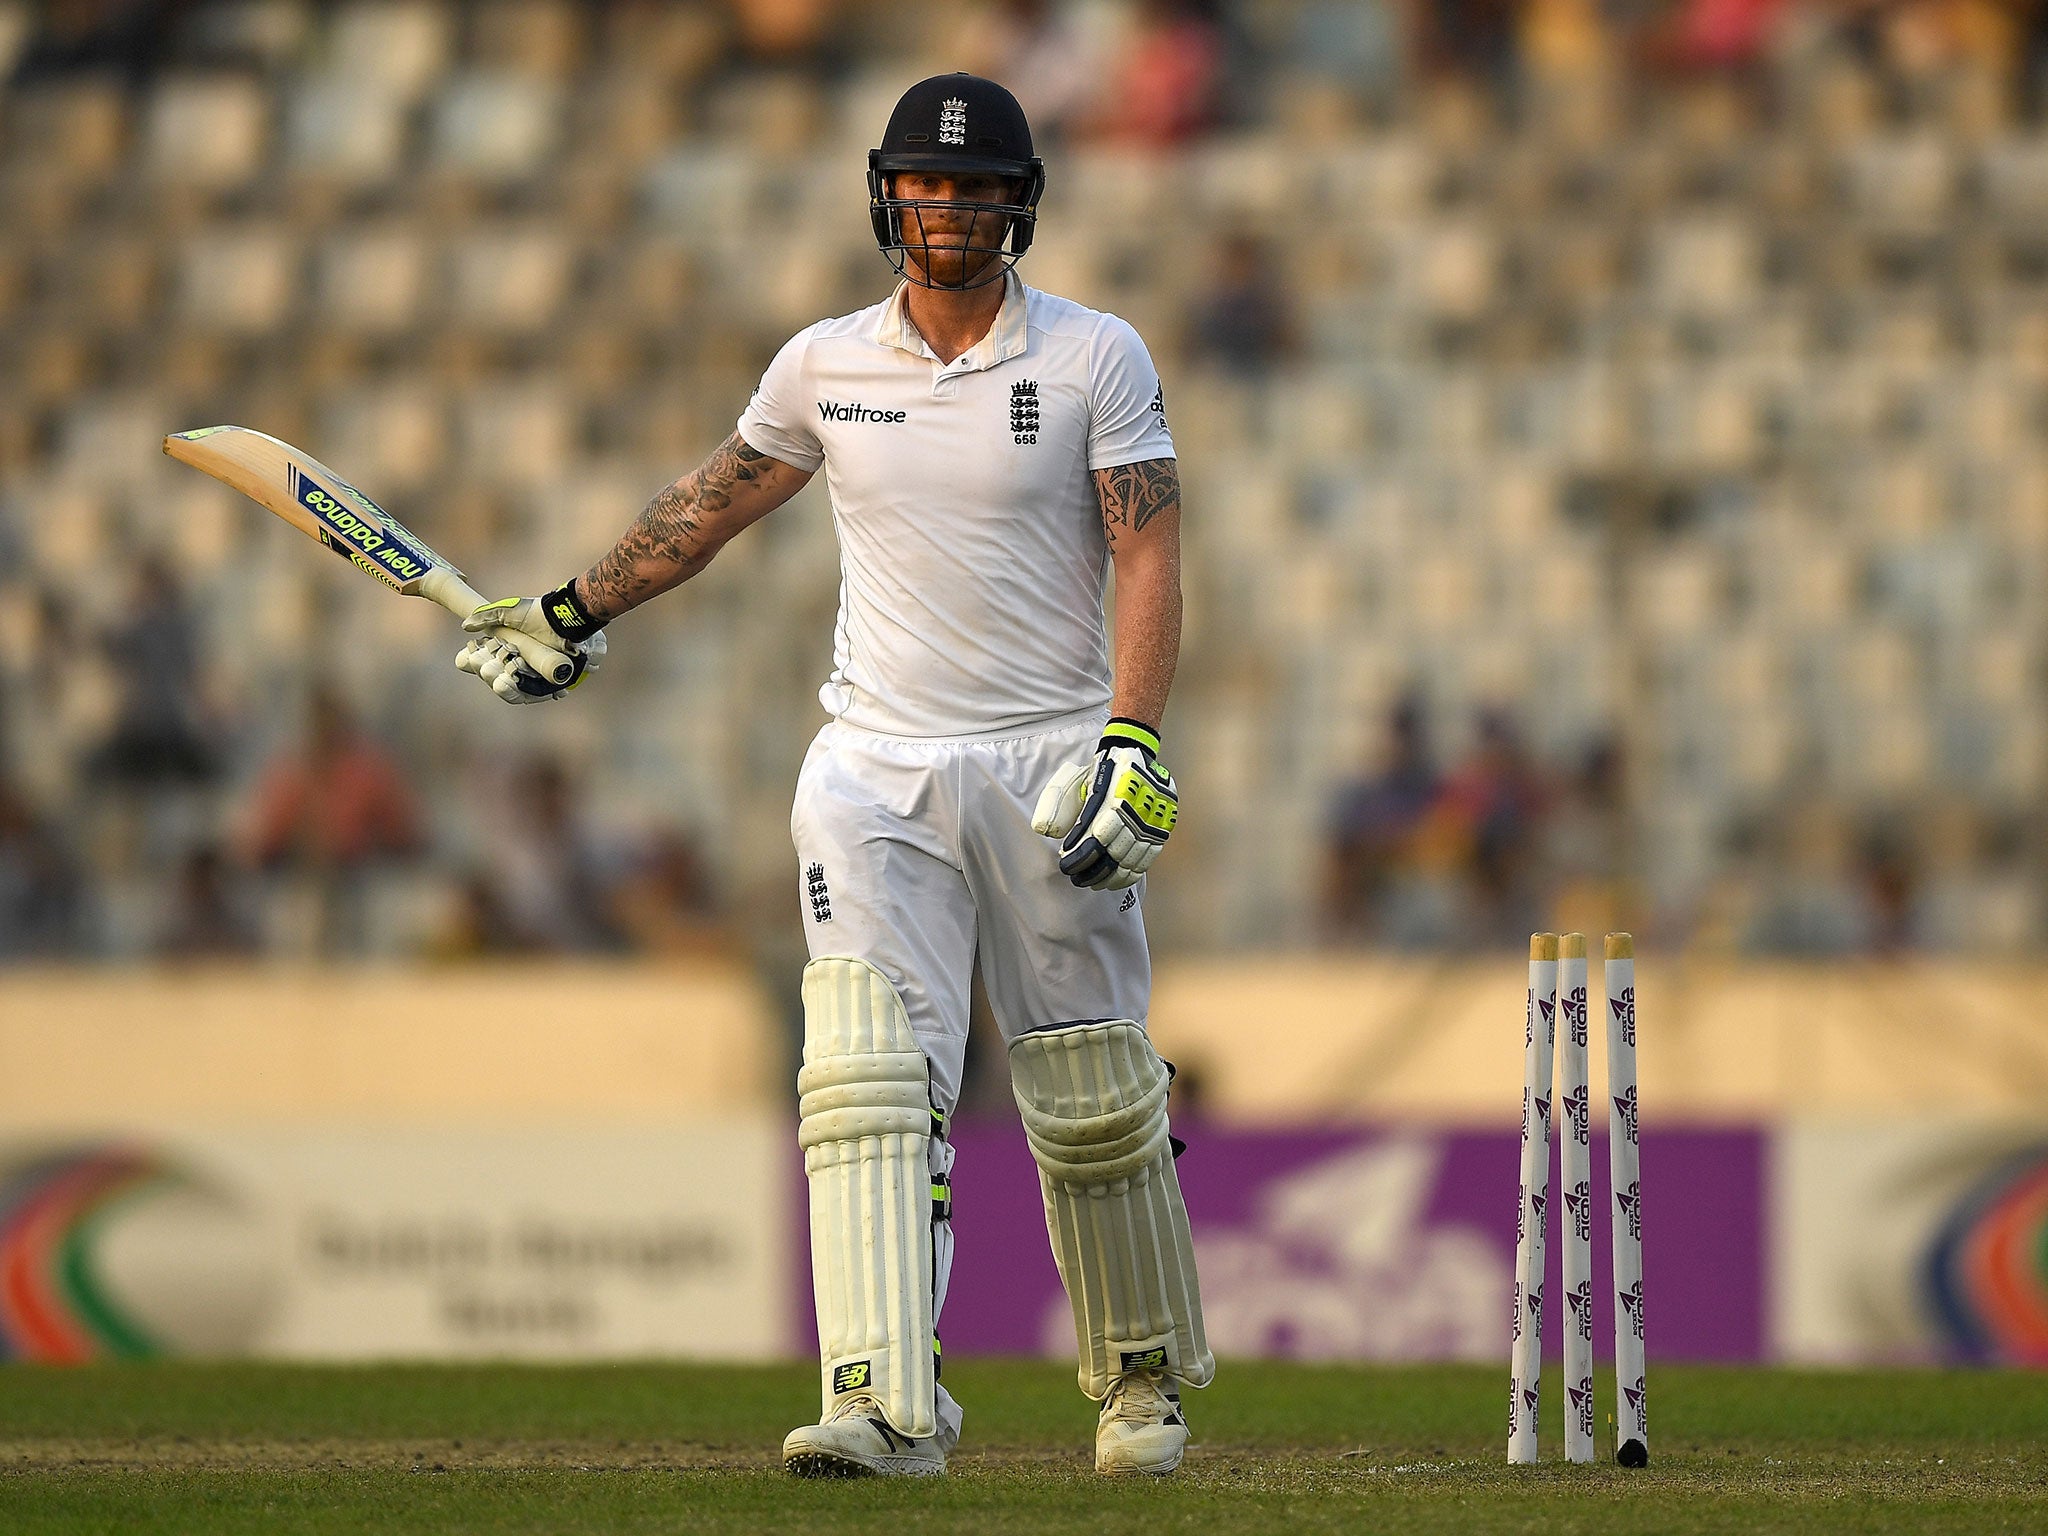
x: 1624, y: 1005
x: 1625, y: 1107
x: 1578, y: 1204
x: 1577, y: 1115
x: 1632, y: 1303
x: 1579, y: 1302
x: 1580, y: 1400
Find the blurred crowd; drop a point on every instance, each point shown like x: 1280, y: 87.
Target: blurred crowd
x: 146, y: 819
x: 1476, y: 852
x: 1616, y: 432
x: 1149, y: 72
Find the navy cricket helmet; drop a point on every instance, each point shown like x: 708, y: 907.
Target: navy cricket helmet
x: 959, y: 124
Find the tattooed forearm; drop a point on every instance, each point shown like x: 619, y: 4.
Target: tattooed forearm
x: 1131, y: 495
x: 682, y: 528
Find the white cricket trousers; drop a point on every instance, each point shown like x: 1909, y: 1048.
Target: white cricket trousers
x: 918, y: 857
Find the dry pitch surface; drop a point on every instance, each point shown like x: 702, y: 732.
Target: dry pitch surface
x: 191, y: 1448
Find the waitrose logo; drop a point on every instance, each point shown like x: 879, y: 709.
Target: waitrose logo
x: 832, y: 410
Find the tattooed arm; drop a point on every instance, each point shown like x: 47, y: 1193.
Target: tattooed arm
x: 682, y: 528
x: 1141, y: 520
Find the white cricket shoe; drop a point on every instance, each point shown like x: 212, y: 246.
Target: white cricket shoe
x: 1141, y: 1428
x: 857, y: 1441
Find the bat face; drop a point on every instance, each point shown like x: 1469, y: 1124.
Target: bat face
x: 360, y: 530
x: 312, y: 497
x: 323, y: 506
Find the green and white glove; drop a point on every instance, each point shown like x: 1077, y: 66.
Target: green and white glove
x: 1113, y: 814
x: 557, y: 620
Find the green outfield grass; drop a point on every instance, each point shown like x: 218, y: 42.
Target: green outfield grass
x: 192, y: 1448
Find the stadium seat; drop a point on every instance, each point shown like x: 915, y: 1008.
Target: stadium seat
x: 240, y: 280
x: 510, y: 279
x: 206, y: 134
x: 494, y: 129
x: 344, y: 131
x: 371, y: 280
x: 397, y: 48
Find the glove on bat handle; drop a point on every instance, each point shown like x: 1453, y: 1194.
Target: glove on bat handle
x: 447, y: 588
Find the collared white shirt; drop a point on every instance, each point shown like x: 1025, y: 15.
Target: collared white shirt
x: 972, y: 556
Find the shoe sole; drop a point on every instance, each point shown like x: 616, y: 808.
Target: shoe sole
x: 823, y: 1464
x: 1164, y: 1470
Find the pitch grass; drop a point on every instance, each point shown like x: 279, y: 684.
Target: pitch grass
x: 239, y: 1448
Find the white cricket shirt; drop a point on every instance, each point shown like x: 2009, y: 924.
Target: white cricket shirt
x: 972, y: 558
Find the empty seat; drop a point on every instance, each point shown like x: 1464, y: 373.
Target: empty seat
x: 509, y: 280
x: 66, y: 526
x: 72, y: 131
x: 1446, y: 269
x: 238, y: 279
x: 392, y: 436
x: 2013, y: 174
x: 516, y: 433
x: 1900, y: 181
x: 1704, y: 264
x: 345, y: 130
x: 113, y: 439
x: 371, y: 281
x: 102, y: 283
x: 209, y: 134
x: 1681, y: 592
x: 494, y: 128
x: 392, y: 47
x: 532, y: 37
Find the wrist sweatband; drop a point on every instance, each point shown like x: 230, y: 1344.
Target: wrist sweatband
x: 566, y: 614
x: 1129, y: 733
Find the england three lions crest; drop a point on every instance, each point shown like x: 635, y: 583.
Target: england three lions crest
x: 953, y: 121
x: 1024, y: 411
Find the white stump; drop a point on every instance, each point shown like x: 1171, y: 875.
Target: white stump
x: 1632, y: 1420
x: 1575, y: 1190
x: 1539, y: 1035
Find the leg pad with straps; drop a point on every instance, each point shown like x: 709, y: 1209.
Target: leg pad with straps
x: 1093, y: 1096
x: 865, y: 1102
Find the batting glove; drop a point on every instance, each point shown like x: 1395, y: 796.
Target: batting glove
x: 1112, y: 815
x: 557, y: 620
x: 512, y: 680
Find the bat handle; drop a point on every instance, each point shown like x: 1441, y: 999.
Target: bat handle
x: 461, y: 599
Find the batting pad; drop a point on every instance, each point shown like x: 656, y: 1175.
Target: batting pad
x: 1093, y: 1097
x: 865, y: 1102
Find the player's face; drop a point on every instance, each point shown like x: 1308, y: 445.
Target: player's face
x: 952, y: 246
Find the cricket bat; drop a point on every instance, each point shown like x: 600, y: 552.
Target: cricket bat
x: 323, y: 506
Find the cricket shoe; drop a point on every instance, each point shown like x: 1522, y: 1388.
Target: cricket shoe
x: 857, y: 1441
x: 1141, y: 1428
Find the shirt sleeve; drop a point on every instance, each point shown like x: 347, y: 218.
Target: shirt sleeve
x: 777, y: 421
x: 1127, y: 409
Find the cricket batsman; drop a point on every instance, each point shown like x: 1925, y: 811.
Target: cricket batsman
x: 991, y: 451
